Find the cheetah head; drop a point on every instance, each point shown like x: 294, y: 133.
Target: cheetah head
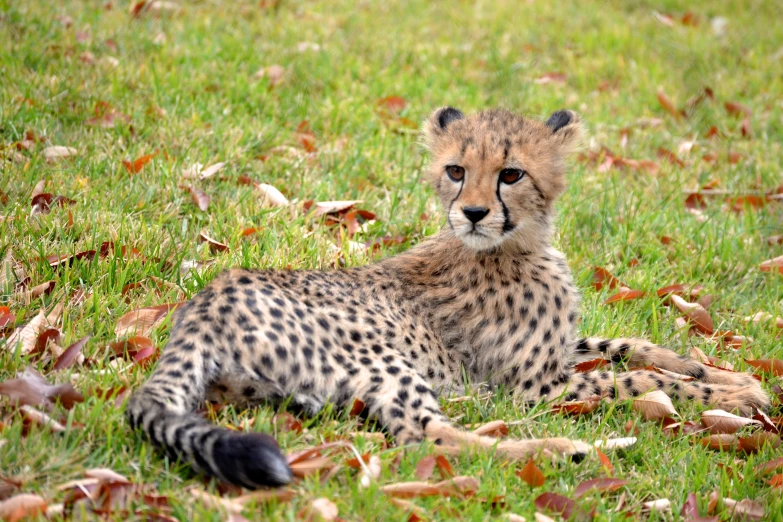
x: 498, y: 173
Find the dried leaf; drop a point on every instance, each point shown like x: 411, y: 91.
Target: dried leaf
x: 552, y: 77
x: 599, y: 484
x: 556, y: 503
x: 531, y: 474
x: 323, y: 208
x: 273, y: 73
x: 200, y: 198
x: 22, y: 507
x: 320, y: 509
x: 197, y: 170
x: 143, y: 320
x: 270, y: 196
x: 33, y: 416
x: 591, y: 365
x: 745, y: 509
x: 602, y: 277
x: 605, y: 462
x: 371, y: 472
x: 661, y: 504
x: 578, y: 407
x: 29, y: 387
x: 772, y: 265
x: 71, y: 354
x: 737, y: 109
x: 135, y: 166
x: 773, y: 366
x: 425, y: 467
x: 754, y: 442
x: 769, y: 466
x: 667, y: 104
x: 625, y: 294
x: 723, y: 442
x: 654, y: 405
x: 392, y: 104
x: 719, y: 421
x: 25, y: 337
x: 698, y: 315
x: 56, y: 152
x: 460, y: 486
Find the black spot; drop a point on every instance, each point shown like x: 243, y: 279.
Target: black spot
x: 558, y: 120
x: 244, y: 280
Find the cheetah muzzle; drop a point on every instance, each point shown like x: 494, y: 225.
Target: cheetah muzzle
x: 488, y: 296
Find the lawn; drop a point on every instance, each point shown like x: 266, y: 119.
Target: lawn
x: 322, y: 100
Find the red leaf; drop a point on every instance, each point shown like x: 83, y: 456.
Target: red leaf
x: 556, y: 503
x: 531, y: 474
x: 392, y: 104
x: 737, y: 109
x: 739, y: 203
x: 130, y: 347
x: 670, y: 157
x: 599, y: 484
x: 605, y: 462
x: 602, y: 277
x: 695, y: 201
x: 772, y: 265
x: 138, y: 164
x: 6, y: 318
x: 772, y: 465
x: 626, y: 294
x: 443, y: 466
x: 357, y: 408
x: 589, y: 366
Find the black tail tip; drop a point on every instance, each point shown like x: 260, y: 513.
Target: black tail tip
x: 251, y: 460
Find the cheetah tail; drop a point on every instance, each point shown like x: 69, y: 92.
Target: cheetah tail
x: 250, y: 460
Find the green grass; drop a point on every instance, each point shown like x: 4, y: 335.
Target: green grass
x: 470, y: 55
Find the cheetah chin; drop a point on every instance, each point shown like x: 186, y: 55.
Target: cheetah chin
x: 500, y: 308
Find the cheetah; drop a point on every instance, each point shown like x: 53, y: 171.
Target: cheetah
x: 488, y: 298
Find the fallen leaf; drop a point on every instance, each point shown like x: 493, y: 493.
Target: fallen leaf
x: 625, y: 294
x: 32, y: 416
x: 605, y: 462
x: 552, y: 77
x: 723, y: 442
x: 56, y: 152
x: 454, y: 487
x: 200, y: 198
x: 654, y: 405
x: 71, y: 354
x: 680, y: 289
x: 392, y: 104
x: 135, y: 166
x: 531, y: 474
x: 661, y: 504
x: 772, y: 265
x: 769, y: 466
x: 270, y: 196
x: 602, y: 277
x: 197, y: 170
x: 214, y: 245
x: 22, y: 507
x: 670, y: 157
x: 773, y: 366
x: 273, y: 73
x: 591, y: 365
x: 425, y: 467
x: 578, y: 407
x: 319, y: 509
x: 600, y: 484
x: 745, y: 509
x: 719, y: 421
x: 371, y: 472
x: 143, y: 320
x: 556, y: 503
x: 24, y: 337
x: 754, y: 442
x: 667, y: 104
x: 30, y: 388
x: 697, y: 314
x: 737, y: 109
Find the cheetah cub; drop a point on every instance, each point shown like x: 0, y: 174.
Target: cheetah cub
x: 488, y: 296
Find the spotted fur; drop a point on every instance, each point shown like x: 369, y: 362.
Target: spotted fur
x: 488, y: 297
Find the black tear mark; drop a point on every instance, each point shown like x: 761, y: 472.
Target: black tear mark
x: 448, y: 213
x: 507, y: 225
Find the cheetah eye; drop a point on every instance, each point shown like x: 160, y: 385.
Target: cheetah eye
x: 455, y: 172
x: 511, y: 176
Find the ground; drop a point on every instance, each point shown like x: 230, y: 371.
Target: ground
x: 183, y: 82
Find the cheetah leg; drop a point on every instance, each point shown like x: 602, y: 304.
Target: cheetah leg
x: 729, y: 397
x: 638, y: 352
x: 409, y: 409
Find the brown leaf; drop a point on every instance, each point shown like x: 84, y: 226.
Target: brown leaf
x: 667, y: 104
x: 773, y: 366
x: 771, y: 465
x: 200, y: 198
x: 214, y: 245
x: 625, y: 294
x: 323, y: 208
x: 287, y: 422
x: 680, y: 289
x: 143, y: 320
x: 602, y: 277
x: 135, y: 166
x: 531, y: 474
x: 392, y: 104
x: 106, y: 116
x: 425, y: 467
x: 357, y: 408
x: 697, y: 314
x: 723, y: 442
x: 772, y: 265
x: 71, y: 354
x: 25, y: 337
x: 737, y: 109
x: 578, y: 407
x: 22, y: 507
x: 319, y: 509
x: 306, y: 137
x: 654, y: 405
x: 273, y: 73
x: 460, y: 486
x: 719, y: 421
x: 670, y: 157
x: 30, y: 388
x: 599, y: 484
x: 7, y: 319
x: 307, y: 467
x: 740, y: 203
x: 756, y: 441
x: 591, y: 365
x: 556, y: 503
x: 745, y: 509
x: 443, y: 466
x: 551, y: 77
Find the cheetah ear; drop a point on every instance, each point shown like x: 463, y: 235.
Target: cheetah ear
x: 437, y: 123
x: 566, y: 130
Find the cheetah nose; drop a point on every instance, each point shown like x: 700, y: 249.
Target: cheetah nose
x: 475, y: 214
